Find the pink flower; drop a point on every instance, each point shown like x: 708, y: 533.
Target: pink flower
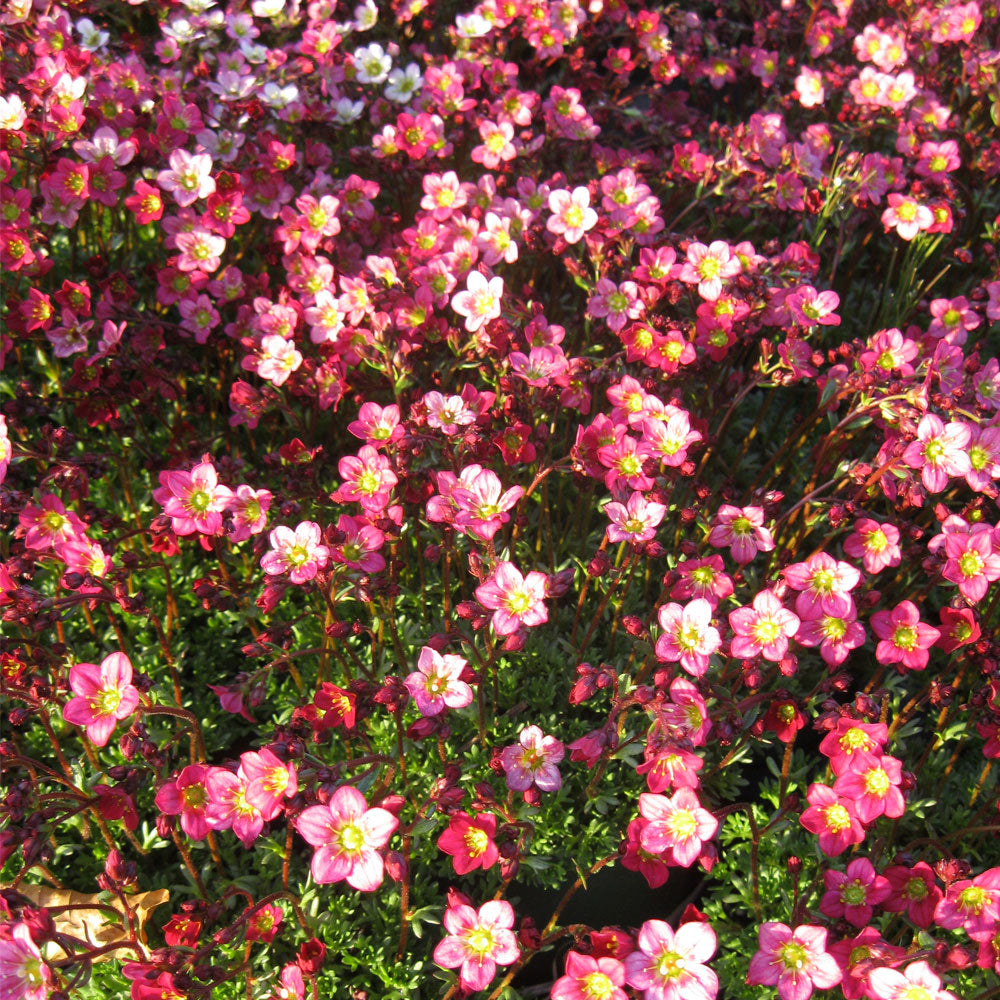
x: 377, y: 425
x: 854, y: 894
x: 634, y: 521
x: 347, y: 836
x: 706, y: 266
x: 189, y: 177
x: 832, y: 820
x: 195, y: 501
x: 904, y: 638
x: 532, y: 761
x: 269, y: 780
x: 481, y: 506
x: 249, y: 509
x: 702, y: 578
x: 480, y: 302
x: 678, y: 825
x: 229, y: 807
x: 477, y: 942
x: 617, y: 303
x: 469, y: 841
x: 913, y: 890
x: 916, y: 980
x: 825, y: 586
x: 972, y: 563
x: 436, y: 684
x: 367, y: 480
x: 589, y: 978
x: 688, y: 636
x: 359, y: 546
x: 874, y: 790
x: 297, y: 553
x: 854, y: 746
x: 49, y: 523
x: 23, y: 973
x: 670, y: 965
x: 515, y: 600
x: 571, y: 215
x: 742, y: 529
x: 876, y: 545
x: 187, y: 797
x: 763, y: 629
x: 797, y: 962
x: 972, y: 905
x: 835, y: 636
x: 104, y: 695
x: 907, y: 215
x: 447, y: 413
x: 939, y: 452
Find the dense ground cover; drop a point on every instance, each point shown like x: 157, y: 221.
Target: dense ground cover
x: 500, y: 500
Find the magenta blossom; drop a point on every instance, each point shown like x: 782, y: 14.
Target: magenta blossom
x: 347, y: 836
x: 939, y: 452
x: 742, y: 529
x: 634, y: 521
x: 903, y: 637
x: 104, y: 695
x: 186, y: 796
x: 23, y: 972
x: 688, y: 637
x: 589, y: 978
x: 195, y: 501
x: 477, y: 942
x: 916, y: 982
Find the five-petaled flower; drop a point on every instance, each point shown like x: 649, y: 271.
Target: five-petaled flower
x: 797, y: 962
x: 477, y: 942
x: 104, y: 696
x: 347, y: 836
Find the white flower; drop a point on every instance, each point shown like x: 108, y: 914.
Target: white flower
x: 275, y: 96
x: 268, y: 8
x: 12, y: 112
x: 404, y: 83
x: 372, y: 63
x: 365, y: 16
x: 181, y: 30
x: 346, y: 111
x: 472, y: 25
x: 253, y: 53
x: 105, y: 143
x: 91, y: 38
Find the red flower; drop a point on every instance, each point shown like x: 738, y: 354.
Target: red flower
x: 469, y: 840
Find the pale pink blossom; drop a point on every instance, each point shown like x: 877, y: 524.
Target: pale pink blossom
x: 515, y: 600
x: 797, y: 962
x: 571, y: 215
x: 298, y: 553
x: 436, y: 684
x: 669, y: 964
x: 532, y: 761
x: 477, y: 942
x: 348, y: 837
x: 480, y: 302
